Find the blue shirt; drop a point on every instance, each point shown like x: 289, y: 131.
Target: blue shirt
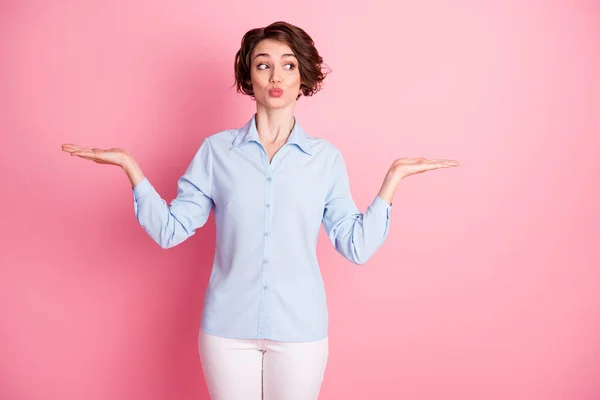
x: 266, y: 281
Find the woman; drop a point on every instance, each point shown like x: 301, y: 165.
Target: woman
x: 270, y: 185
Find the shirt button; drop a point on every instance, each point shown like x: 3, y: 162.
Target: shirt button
x: 265, y: 261
x: 264, y: 287
x: 267, y: 234
x: 267, y: 205
x: 268, y: 179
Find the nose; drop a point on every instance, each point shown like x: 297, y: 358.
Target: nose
x: 275, y: 76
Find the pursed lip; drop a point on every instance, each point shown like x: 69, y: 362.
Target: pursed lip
x: 275, y: 92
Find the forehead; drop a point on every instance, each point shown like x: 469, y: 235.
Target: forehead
x: 272, y: 47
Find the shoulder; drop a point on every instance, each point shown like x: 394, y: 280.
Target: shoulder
x: 216, y: 142
x: 222, y: 139
x: 322, y: 147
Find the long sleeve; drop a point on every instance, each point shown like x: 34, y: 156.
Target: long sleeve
x: 169, y: 225
x: 354, y: 235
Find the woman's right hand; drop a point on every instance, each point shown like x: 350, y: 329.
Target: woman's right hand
x: 114, y: 156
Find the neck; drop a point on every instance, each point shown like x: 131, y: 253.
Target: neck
x: 274, y: 125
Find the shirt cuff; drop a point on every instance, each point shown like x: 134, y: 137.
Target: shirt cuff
x: 141, y: 188
x: 380, y: 206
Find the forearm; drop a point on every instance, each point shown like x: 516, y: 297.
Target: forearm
x: 388, y: 187
x: 168, y: 224
x: 133, y: 171
x: 151, y: 211
x: 354, y: 234
x: 161, y: 221
x: 359, y: 235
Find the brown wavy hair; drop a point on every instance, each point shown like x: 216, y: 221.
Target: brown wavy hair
x: 302, y: 45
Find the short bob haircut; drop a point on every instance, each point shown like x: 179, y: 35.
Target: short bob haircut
x: 302, y: 45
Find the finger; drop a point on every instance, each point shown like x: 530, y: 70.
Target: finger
x: 430, y: 166
x: 412, y: 160
x: 71, y: 148
x: 84, y: 154
x: 451, y: 163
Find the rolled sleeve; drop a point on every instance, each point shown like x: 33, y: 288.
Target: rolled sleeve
x: 354, y: 235
x: 141, y: 189
x: 171, y: 224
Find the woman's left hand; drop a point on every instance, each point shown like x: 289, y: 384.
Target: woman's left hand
x: 403, y: 167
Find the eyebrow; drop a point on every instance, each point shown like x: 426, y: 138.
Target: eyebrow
x: 267, y: 55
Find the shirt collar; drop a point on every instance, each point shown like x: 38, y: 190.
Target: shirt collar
x: 249, y: 133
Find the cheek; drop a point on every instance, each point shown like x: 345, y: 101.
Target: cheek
x: 295, y: 81
x: 257, y: 78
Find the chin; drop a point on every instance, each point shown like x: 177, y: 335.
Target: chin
x: 274, y: 102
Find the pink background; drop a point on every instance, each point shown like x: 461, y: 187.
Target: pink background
x: 488, y: 284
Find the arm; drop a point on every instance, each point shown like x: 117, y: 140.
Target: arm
x: 169, y: 225
x: 354, y: 235
x: 357, y: 236
x: 133, y: 171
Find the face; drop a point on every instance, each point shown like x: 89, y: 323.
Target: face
x: 274, y: 74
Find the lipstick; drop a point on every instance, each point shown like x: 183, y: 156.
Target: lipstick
x: 275, y: 92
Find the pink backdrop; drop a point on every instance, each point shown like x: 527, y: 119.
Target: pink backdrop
x: 488, y: 284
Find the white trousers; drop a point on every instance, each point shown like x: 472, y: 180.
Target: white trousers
x: 262, y: 369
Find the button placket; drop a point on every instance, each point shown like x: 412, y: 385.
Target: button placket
x: 264, y: 314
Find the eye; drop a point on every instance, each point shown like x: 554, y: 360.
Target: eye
x: 263, y: 66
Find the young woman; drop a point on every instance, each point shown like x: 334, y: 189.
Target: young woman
x: 270, y: 186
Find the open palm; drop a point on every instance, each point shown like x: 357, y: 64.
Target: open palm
x: 404, y: 167
x: 114, y: 156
